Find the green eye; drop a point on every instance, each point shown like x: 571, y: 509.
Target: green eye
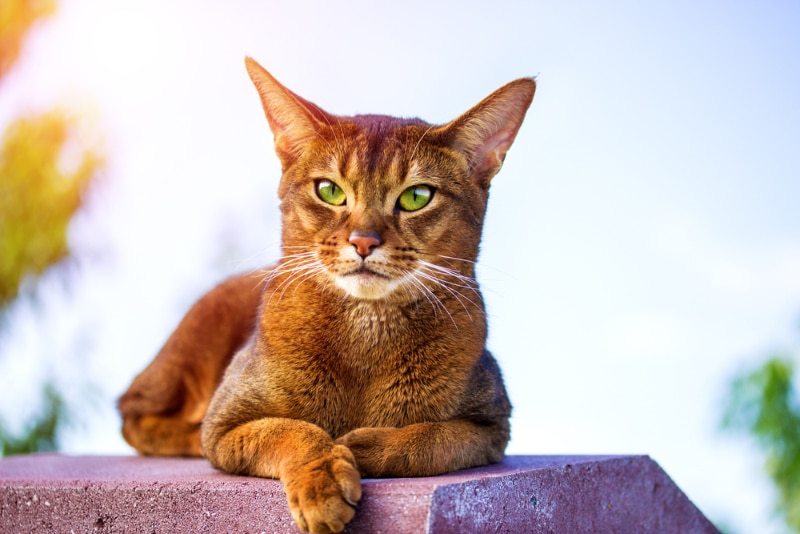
x: 330, y: 192
x: 415, y: 197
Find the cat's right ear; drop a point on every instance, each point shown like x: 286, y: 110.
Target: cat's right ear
x: 485, y: 133
x: 292, y: 119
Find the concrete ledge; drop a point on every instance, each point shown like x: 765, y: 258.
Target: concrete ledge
x: 570, y: 494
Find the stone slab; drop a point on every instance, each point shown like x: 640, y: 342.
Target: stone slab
x: 548, y: 494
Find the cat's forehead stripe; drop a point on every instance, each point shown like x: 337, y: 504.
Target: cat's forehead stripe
x: 372, y: 161
x: 413, y: 172
x: 335, y: 167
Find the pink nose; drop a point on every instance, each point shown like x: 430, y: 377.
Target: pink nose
x: 364, y: 242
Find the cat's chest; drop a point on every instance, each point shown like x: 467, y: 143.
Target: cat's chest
x: 400, y: 375
x: 367, y: 327
x: 353, y: 364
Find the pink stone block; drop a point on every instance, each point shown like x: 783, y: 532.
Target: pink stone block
x: 548, y: 494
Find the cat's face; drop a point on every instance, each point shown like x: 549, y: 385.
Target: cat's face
x: 374, y: 207
x: 380, y: 207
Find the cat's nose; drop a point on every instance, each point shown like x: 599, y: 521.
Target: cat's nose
x: 364, y: 242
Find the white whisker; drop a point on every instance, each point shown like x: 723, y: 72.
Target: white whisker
x: 419, y: 141
x: 426, y: 277
x: 457, y: 259
x: 467, y: 282
x: 458, y: 296
x: 299, y: 268
x: 435, y: 302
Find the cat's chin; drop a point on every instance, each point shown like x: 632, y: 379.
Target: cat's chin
x: 367, y: 285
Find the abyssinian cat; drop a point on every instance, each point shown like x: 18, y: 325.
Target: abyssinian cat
x: 361, y: 352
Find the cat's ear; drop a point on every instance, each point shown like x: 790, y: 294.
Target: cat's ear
x: 292, y: 119
x: 485, y: 132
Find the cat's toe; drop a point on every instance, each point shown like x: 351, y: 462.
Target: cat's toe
x: 323, y: 493
x: 346, y: 474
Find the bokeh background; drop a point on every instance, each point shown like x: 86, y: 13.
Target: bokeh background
x: 642, y: 243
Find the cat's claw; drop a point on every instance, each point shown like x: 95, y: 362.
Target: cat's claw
x: 323, y: 493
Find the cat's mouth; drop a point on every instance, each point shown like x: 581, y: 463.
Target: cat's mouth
x: 366, y: 272
x: 365, y: 283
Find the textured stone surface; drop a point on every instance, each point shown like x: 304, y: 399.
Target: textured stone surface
x: 55, y: 493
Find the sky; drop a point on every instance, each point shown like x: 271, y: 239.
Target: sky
x: 642, y: 241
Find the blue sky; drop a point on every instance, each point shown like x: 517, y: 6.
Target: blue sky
x: 642, y: 241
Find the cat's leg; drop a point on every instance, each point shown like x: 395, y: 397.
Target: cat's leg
x: 425, y: 449
x: 320, y: 478
x: 164, y: 405
x: 240, y: 435
x: 476, y: 435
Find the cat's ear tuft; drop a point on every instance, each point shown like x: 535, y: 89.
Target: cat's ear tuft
x: 485, y: 132
x: 292, y: 119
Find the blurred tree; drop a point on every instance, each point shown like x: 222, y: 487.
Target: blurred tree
x: 40, y: 433
x: 16, y: 19
x: 44, y: 171
x: 46, y: 168
x: 764, y: 403
x: 39, y: 193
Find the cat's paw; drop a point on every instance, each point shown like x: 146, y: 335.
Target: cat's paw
x: 371, y: 447
x: 323, y: 493
x: 159, y: 417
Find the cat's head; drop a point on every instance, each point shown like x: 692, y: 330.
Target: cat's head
x: 383, y: 207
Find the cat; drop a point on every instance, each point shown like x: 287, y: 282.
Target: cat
x: 361, y: 353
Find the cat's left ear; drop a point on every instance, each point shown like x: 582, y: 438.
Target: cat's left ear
x: 485, y: 132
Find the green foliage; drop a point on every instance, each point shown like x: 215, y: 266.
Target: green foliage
x: 40, y: 432
x: 46, y: 168
x: 764, y: 403
x: 39, y: 194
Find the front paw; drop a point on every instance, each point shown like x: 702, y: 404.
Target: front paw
x: 371, y: 447
x: 323, y: 493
